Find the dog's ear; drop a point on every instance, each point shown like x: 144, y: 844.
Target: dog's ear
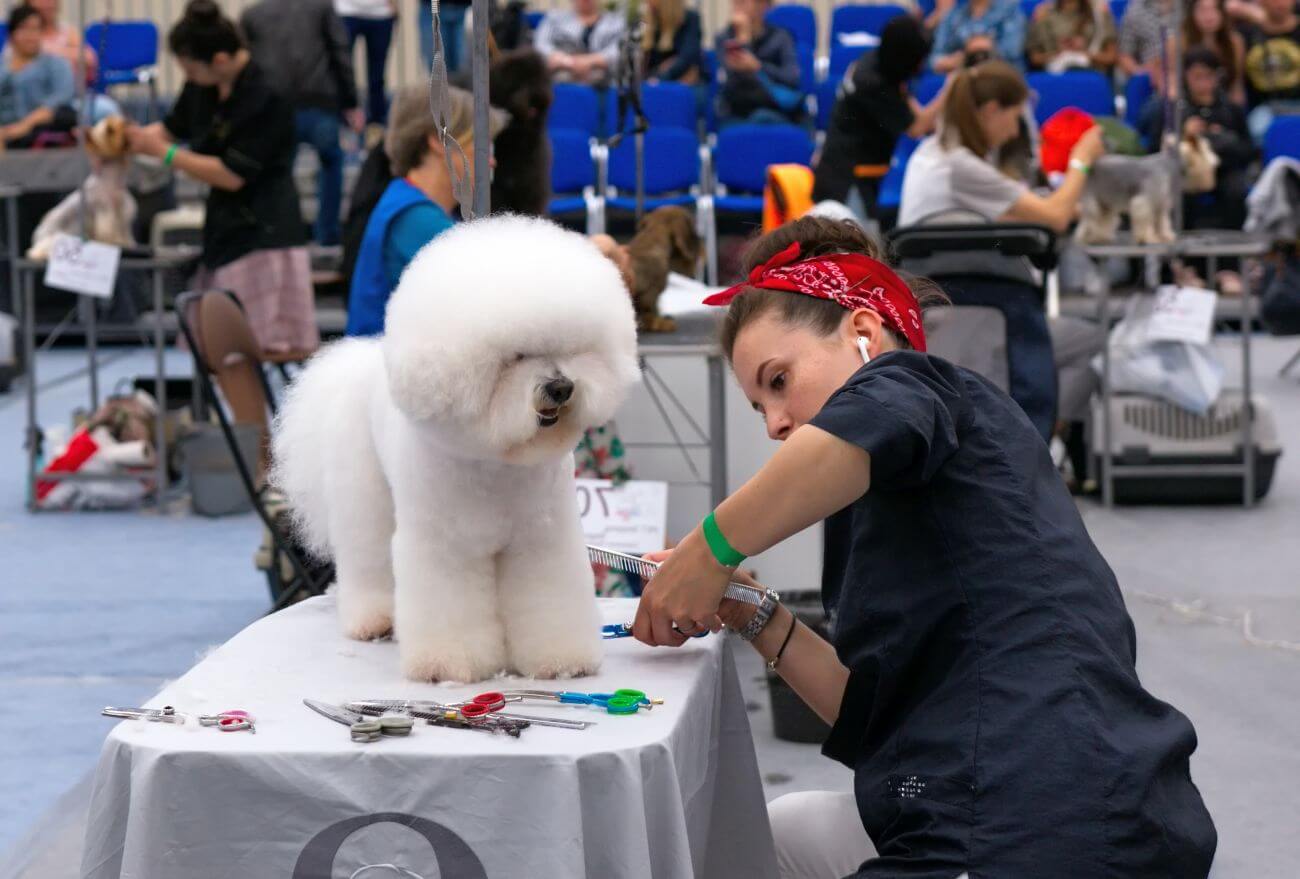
x: 686, y: 242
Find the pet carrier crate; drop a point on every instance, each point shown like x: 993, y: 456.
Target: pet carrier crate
x: 1166, y: 454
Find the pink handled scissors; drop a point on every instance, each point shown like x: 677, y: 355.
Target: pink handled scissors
x: 229, y: 721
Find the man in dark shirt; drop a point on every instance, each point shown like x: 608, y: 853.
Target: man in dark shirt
x: 303, y: 48
x: 872, y: 111
x: 762, y: 69
x: 1208, y: 113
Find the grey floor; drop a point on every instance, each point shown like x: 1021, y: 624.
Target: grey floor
x: 103, y: 608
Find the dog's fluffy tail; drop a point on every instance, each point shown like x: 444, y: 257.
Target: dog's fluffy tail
x: 321, y: 423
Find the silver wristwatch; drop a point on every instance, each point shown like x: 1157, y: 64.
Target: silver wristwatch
x: 759, y: 620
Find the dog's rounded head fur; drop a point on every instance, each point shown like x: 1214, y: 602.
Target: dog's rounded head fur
x: 107, y: 138
x: 508, y: 337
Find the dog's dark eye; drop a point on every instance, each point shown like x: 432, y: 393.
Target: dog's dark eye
x: 519, y: 357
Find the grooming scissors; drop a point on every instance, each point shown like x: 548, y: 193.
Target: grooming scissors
x: 363, y: 729
x: 165, y: 714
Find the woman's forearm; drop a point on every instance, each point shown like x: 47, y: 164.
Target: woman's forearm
x: 38, y: 117
x: 811, y: 476
x: 208, y: 169
x: 808, y: 664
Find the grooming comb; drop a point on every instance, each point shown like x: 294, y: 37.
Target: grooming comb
x: 630, y: 564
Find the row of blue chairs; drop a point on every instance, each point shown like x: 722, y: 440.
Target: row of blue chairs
x: 125, y: 49
x: 583, y: 108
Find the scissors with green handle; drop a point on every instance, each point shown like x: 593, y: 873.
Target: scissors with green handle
x: 623, y: 701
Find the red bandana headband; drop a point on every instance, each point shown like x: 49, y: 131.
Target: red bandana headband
x: 850, y: 279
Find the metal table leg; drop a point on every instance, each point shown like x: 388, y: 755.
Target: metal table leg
x: 160, y: 388
x: 1248, y: 404
x: 29, y: 341
x: 717, y: 429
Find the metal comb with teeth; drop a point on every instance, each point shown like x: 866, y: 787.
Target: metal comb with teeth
x: 630, y: 564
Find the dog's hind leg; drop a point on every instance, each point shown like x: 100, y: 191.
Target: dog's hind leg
x: 361, y: 526
x: 447, y: 622
x: 548, y: 594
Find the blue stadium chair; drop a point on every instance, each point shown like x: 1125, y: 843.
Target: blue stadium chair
x: 740, y: 162
x: 853, y: 18
x: 574, y: 178
x: 1282, y: 138
x: 926, y: 6
x: 1137, y: 91
x: 4, y: 34
x: 926, y: 86
x: 891, y: 187
x: 574, y: 107
x: 842, y: 57
x: 666, y: 104
x: 711, y: 77
x: 534, y: 19
x: 826, y: 91
x: 798, y: 20
x: 1086, y: 89
x: 1117, y: 10
x: 128, y: 51
x: 1027, y: 8
x: 807, y: 68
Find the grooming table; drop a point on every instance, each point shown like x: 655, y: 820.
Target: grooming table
x: 157, y: 265
x: 1210, y: 245
x: 673, y: 792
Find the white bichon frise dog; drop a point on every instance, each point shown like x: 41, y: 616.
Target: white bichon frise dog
x: 434, y: 464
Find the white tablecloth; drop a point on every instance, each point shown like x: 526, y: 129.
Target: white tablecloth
x: 673, y: 792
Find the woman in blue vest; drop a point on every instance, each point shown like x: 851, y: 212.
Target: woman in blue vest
x: 418, y: 204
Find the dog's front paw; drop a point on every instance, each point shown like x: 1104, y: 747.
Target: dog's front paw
x: 450, y: 662
x: 366, y: 614
x: 570, y: 660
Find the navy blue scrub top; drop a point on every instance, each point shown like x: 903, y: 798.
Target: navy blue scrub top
x: 993, y: 716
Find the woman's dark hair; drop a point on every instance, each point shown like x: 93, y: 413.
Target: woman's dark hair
x: 1203, y: 57
x: 817, y: 236
x: 903, y: 49
x: 19, y: 15
x: 1222, y: 39
x: 202, y: 32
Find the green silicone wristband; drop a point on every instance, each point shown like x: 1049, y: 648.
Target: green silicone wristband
x: 171, y: 153
x: 723, y: 551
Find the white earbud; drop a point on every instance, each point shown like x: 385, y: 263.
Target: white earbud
x: 862, y: 346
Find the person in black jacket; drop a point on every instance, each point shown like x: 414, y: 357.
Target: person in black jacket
x: 873, y: 109
x: 762, y: 82
x: 303, y: 47
x: 1207, y: 112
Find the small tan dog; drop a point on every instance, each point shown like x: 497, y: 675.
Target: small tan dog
x: 109, y: 206
x: 666, y: 242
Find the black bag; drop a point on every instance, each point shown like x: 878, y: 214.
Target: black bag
x: 1280, y: 304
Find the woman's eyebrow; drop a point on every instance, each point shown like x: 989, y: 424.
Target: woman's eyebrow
x: 758, y: 376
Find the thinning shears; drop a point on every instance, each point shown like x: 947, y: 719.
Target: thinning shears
x: 363, y: 729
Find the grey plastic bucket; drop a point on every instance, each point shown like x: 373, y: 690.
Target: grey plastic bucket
x: 210, y: 472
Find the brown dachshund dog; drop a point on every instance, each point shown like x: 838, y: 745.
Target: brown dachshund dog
x: 666, y: 242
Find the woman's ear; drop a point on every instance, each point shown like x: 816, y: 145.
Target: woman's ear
x: 865, y: 323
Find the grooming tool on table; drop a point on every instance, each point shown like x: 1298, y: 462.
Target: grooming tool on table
x: 446, y: 715
x: 362, y: 728
x: 622, y: 701
x: 165, y: 714
x: 229, y: 721
x: 630, y: 564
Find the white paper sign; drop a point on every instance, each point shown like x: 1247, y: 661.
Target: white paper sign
x: 1182, y: 314
x: 85, y: 267
x: 630, y: 518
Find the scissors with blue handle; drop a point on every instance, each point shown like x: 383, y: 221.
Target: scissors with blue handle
x: 624, y: 701
x: 624, y: 630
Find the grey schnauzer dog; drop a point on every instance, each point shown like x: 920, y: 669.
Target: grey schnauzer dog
x: 1142, y: 186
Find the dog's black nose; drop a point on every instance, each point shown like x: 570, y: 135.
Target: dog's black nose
x: 559, y: 390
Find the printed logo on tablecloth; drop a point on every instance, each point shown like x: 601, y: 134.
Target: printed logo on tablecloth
x: 455, y: 857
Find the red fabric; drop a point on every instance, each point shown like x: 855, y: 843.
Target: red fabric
x: 81, y: 448
x: 1059, y: 134
x: 851, y: 279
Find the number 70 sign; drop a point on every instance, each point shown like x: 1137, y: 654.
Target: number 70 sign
x: 631, y: 517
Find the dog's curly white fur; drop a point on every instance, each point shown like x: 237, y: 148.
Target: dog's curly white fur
x: 435, y: 464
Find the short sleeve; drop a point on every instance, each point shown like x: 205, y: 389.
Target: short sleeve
x: 415, y: 227
x: 903, y: 414
x: 980, y: 187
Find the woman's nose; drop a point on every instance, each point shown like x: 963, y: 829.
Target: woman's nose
x: 778, y: 426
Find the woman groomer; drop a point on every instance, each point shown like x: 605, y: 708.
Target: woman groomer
x: 242, y: 143
x: 981, y: 682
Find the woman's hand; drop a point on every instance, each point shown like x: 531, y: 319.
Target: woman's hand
x: 147, y: 140
x: 1090, y: 147
x: 687, y: 591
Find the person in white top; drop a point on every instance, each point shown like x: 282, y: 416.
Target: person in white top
x: 372, y: 21
x: 954, y: 169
